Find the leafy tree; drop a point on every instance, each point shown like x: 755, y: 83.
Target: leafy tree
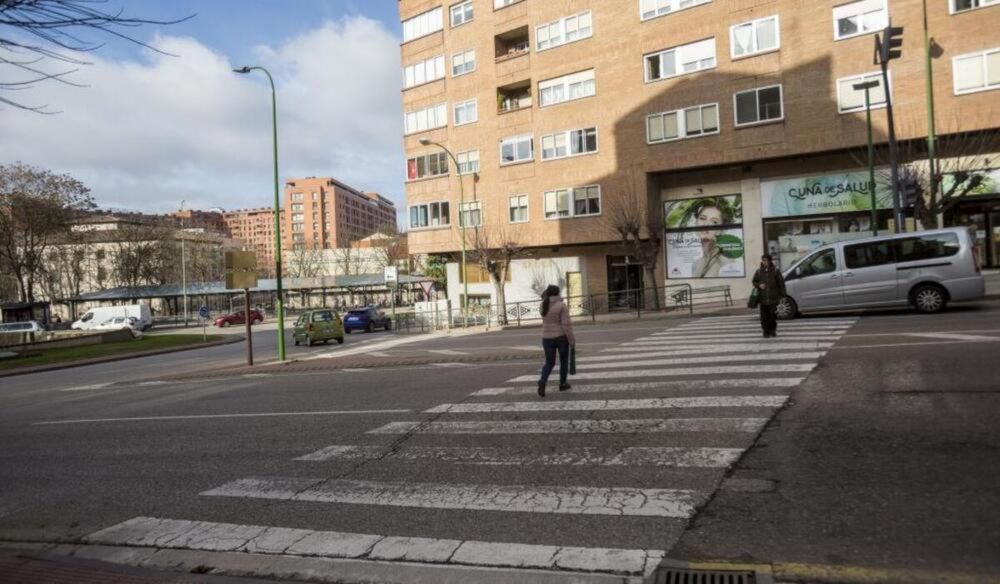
x: 36, y: 208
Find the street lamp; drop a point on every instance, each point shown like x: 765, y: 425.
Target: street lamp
x: 277, y: 212
x: 184, y: 285
x: 461, y: 194
x: 867, y: 86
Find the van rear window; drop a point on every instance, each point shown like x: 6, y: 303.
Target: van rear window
x: 926, y: 247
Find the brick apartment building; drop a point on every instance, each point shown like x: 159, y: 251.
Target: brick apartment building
x: 255, y: 227
x: 720, y: 117
x: 324, y: 213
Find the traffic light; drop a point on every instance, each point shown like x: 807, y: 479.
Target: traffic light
x: 889, y: 45
x: 909, y: 192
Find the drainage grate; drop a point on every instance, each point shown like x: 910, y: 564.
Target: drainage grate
x: 666, y: 575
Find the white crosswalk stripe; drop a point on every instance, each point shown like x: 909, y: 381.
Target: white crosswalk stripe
x: 676, y: 407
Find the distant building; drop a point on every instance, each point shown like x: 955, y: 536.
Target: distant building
x: 208, y: 221
x: 254, y: 227
x: 324, y: 213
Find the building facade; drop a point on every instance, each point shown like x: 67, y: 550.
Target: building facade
x: 324, y: 213
x: 733, y: 124
x: 255, y: 228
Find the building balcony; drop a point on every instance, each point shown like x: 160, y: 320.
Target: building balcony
x: 514, y: 97
x: 512, y: 44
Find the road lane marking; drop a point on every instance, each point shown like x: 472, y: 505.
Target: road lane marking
x: 668, y: 371
x: 689, y: 384
x: 953, y: 337
x: 572, y: 500
x: 446, y: 352
x: 751, y: 326
x: 725, y: 401
x: 667, y: 342
x: 616, y: 426
x: 90, y: 387
x: 724, y: 335
x: 702, y: 349
x: 217, y: 416
x: 212, y: 536
x: 587, y: 366
x: 667, y: 456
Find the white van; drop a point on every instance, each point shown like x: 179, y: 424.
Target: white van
x: 925, y: 270
x: 98, y: 316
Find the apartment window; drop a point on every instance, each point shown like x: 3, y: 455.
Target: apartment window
x: 680, y: 60
x: 963, y: 5
x: 757, y: 36
x: 434, y: 116
x: 976, y: 71
x: 497, y: 4
x: 471, y: 214
x: 518, y: 207
x: 700, y: 120
x: 429, y: 165
x: 466, y: 112
x: 298, y: 226
x: 423, y: 72
x: 461, y: 13
x: 852, y: 100
x: 517, y: 149
x: 858, y: 18
x: 571, y: 143
x: 565, y: 30
x: 296, y: 197
x: 315, y: 196
x: 429, y: 215
x: 575, y: 202
x: 567, y: 88
x: 463, y: 62
x: 758, y: 105
x: 468, y: 162
x: 423, y: 24
x: 298, y: 217
x: 296, y: 207
x: 653, y: 8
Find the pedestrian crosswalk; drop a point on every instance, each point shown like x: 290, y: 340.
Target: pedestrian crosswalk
x: 641, y: 440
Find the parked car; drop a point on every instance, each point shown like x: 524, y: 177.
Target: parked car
x: 28, y: 326
x: 925, y: 270
x: 238, y: 318
x: 314, y: 326
x: 367, y: 319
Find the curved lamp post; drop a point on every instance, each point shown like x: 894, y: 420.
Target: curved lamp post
x: 280, y: 307
x: 461, y: 227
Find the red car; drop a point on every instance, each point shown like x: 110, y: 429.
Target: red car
x: 237, y: 318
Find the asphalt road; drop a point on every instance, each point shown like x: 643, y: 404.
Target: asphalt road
x: 874, y: 443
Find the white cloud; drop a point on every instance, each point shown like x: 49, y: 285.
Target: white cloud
x: 146, y: 134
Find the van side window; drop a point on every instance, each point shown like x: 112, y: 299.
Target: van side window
x: 866, y: 255
x: 821, y: 263
x: 926, y: 247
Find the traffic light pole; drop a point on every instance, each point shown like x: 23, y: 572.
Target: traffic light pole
x: 888, y: 47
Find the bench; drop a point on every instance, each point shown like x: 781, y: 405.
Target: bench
x: 680, y: 298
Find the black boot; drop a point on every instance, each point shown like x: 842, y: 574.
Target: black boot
x: 564, y: 386
x: 541, y: 389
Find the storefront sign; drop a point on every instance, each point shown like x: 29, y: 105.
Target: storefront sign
x: 833, y: 193
x: 704, y: 237
x: 990, y: 184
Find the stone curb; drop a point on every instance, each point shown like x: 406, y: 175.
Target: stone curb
x: 314, y: 569
x: 113, y: 358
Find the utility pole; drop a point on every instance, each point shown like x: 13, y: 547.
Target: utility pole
x: 867, y: 86
x: 184, y: 286
x: 931, y: 133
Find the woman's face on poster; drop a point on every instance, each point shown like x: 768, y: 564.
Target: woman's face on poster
x: 708, y: 217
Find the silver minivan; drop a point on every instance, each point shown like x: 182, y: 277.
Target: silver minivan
x: 925, y: 270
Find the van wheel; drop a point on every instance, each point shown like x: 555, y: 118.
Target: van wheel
x: 786, y: 309
x: 340, y: 340
x: 928, y: 299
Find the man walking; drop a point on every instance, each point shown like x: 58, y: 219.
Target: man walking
x: 770, y: 290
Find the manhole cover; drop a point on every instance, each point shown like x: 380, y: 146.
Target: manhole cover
x: 667, y: 575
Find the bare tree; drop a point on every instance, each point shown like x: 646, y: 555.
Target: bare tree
x: 53, y: 32
x: 305, y: 262
x: 637, y: 224
x: 493, y: 248
x: 962, y: 163
x: 144, y: 255
x: 390, y: 247
x: 36, y: 208
x: 349, y: 261
x: 67, y: 269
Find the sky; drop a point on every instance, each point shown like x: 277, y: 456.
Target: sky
x: 149, y: 130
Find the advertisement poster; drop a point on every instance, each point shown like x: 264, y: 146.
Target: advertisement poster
x: 704, y: 212
x: 833, y: 193
x: 989, y: 185
x: 705, y: 254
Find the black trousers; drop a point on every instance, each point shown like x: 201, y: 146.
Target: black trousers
x: 768, y: 318
x: 552, y: 346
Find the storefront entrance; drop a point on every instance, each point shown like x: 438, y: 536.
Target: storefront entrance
x: 624, y: 283
x: 984, y: 218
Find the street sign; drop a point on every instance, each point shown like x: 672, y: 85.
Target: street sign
x: 203, y: 312
x: 391, y: 274
x: 241, y: 270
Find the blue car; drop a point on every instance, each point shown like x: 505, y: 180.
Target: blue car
x: 366, y: 319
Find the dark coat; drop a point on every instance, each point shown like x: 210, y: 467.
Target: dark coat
x: 774, y: 285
